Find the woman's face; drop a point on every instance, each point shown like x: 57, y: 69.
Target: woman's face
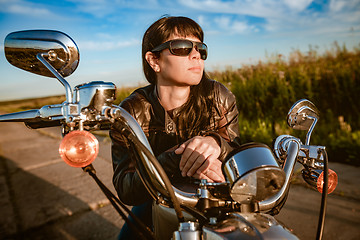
x: 180, y: 70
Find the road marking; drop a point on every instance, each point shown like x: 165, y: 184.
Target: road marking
x: 44, y: 164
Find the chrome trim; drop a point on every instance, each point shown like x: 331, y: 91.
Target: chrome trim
x: 308, y: 134
x: 95, y: 95
x: 247, y: 226
x: 303, y: 115
x: 253, y: 174
x: 44, y: 52
x: 20, y: 116
x: 62, y: 80
x: 292, y: 149
x: 59, y: 48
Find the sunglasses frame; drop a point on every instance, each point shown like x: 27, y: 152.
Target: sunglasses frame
x: 167, y: 45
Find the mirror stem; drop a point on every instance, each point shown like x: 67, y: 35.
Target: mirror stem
x: 41, y: 57
x: 308, y: 135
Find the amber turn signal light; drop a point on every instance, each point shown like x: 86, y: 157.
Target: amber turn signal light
x: 79, y: 148
x: 333, y: 180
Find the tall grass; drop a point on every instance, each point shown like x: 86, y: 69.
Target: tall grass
x: 331, y: 80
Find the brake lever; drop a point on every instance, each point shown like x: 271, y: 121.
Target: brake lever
x: 311, y: 156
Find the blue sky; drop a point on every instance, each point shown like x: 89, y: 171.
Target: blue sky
x: 108, y: 34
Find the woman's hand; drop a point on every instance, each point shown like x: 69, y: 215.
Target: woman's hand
x: 200, y: 158
x: 212, y: 174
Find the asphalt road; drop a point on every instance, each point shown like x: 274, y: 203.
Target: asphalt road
x: 43, y: 198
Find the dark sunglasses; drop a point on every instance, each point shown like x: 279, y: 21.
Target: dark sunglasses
x: 183, y: 47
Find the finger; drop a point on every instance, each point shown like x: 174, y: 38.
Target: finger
x: 216, y: 176
x: 195, y: 156
x: 217, y: 169
x: 203, y: 168
x: 213, y: 170
x: 180, y: 149
x: 199, y: 161
x: 206, y: 165
x: 187, y: 156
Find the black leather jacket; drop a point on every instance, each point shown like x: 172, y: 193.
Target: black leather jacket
x: 160, y: 129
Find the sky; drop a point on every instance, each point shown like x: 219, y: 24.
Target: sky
x: 108, y: 34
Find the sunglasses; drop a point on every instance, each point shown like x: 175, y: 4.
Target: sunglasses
x: 183, y: 47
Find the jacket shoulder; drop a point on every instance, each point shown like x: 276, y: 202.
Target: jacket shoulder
x: 223, y: 95
x: 137, y: 101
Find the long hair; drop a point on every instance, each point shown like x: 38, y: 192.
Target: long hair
x: 195, y: 114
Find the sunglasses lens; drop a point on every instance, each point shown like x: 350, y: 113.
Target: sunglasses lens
x: 181, y: 47
x: 202, y: 49
x: 184, y: 48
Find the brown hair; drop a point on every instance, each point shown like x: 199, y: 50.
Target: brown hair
x: 191, y: 123
x: 163, y: 29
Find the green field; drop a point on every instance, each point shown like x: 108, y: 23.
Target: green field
x: 265, y: 91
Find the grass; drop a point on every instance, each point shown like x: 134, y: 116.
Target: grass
x: 26, y: 104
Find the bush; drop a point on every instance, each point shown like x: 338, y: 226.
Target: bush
x: 266, y: 91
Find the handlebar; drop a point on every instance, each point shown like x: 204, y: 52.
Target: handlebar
x: 292, y: 148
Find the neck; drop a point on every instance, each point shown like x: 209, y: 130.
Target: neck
x: 172, y: 97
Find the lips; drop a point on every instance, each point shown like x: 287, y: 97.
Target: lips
x: 195, y: 69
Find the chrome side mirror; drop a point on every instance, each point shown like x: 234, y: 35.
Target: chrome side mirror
x: 22, y: 48
x: 303, y: 115
x: 44, y: 52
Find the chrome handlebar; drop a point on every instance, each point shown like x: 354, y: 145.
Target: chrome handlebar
x: 291, y: 147
x: 89, y: 105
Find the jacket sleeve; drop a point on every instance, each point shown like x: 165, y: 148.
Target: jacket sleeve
x: 227, y: 130
x: 126, y: 179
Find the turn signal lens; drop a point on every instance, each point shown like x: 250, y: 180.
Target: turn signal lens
x: 333, y: 180
x: 79, y: 148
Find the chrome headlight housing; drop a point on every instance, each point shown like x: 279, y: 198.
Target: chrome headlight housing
x: 253, y: 173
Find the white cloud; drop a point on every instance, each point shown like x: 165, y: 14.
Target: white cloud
x: 337, y: 5
x: 107, y: 45
x: 344, y: 5
x: 257, y: 8
x: 102, y: 8
x: 223, y: 22
x: 298, y: 5
x: 278, y: 16
x: 18, y: 9
x: 240, y: 26
x: 24, y: 8
x: 232, y: 26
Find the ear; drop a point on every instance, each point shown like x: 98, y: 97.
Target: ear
x: 153, y: 61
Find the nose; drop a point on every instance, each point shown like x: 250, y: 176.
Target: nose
x: 195, y: 53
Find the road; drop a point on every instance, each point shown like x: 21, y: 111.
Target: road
x: 43, y: 198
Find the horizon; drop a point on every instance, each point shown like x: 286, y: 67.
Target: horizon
x: 237, y: 33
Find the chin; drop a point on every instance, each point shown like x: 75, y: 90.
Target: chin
x: 195, y: 80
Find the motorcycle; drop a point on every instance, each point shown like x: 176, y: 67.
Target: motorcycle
x: 242, y: 207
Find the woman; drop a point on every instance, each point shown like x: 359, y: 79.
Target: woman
x: 191, y: 122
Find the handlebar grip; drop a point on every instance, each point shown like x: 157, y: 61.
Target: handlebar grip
x: 42, y: 124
